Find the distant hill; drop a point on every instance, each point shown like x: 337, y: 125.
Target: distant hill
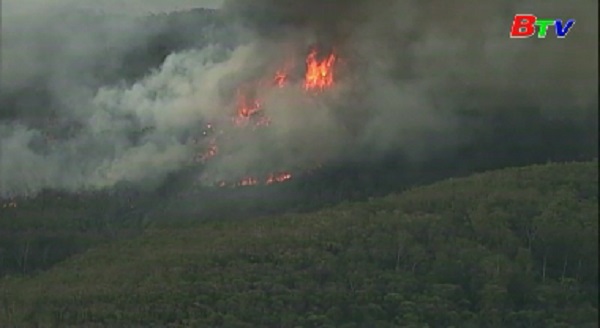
x: 510, y: 248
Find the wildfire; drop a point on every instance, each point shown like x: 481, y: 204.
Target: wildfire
x: 248, y: 181
x: 280, y: 78
x: 282, y: 74
x: 249, y: 108
x: 319, y: 73
x: 255, y: 181
x: 278, y: 177
x: 246, y: 108
x: 212, y: 151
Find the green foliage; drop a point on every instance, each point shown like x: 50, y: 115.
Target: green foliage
x: 510, y: 248
x: 45, y: 230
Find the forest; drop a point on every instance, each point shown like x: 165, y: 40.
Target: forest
x: 453, y: 254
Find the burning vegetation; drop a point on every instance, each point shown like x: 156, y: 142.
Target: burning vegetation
x: 319, y: 73
x: 249, y: 108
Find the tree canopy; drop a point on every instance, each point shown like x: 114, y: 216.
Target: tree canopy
x: 510, y: 248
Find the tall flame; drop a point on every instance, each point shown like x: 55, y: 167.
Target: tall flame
x: 319, y: 73
x: 246, y: 108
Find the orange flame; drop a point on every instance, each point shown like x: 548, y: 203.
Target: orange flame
x: 318, y: 77
x: 278, y: 177
x: 212, y: 151
x: 245, y: 108
x: 248, y: 181
x: 254, y: 181
x: 319, y: 74
x: 280, y: 78
x: 281, y: 75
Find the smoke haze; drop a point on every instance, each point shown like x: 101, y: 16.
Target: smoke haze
x: 408, y: 66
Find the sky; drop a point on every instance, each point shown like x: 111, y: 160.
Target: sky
x: 129, y: 7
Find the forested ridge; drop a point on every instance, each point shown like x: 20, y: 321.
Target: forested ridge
x: 511, y: 248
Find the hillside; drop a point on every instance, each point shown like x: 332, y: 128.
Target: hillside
x: 41, y: 230
x: 510, y: 248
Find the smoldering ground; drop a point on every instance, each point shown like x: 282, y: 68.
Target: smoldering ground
x: 412, y: 64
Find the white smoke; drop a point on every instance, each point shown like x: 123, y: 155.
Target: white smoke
x: 422, y: 61
x: 169, y: 101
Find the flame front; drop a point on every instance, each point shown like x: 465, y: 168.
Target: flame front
x: 270, y: 179
x: 319, y: 76
x: 278, y: 177
x: 319, y: 73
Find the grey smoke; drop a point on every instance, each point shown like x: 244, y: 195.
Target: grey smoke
x: 416, y: 64
x: 412, y: 64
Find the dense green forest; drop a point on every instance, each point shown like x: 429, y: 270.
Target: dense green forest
x: 511, y: 248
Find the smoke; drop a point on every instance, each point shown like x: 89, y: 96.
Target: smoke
x: 408, y: 66
x: 415, y: 64
x: 127, y: 134
x: 457, y: 46
x: 55, y: 60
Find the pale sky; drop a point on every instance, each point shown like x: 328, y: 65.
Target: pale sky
x: 131, y: 7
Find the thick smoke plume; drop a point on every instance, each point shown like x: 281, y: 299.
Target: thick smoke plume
x: 406, y: 68
x: 414, y: 64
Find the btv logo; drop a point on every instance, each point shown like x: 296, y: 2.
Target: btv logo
x: 523, y: 26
